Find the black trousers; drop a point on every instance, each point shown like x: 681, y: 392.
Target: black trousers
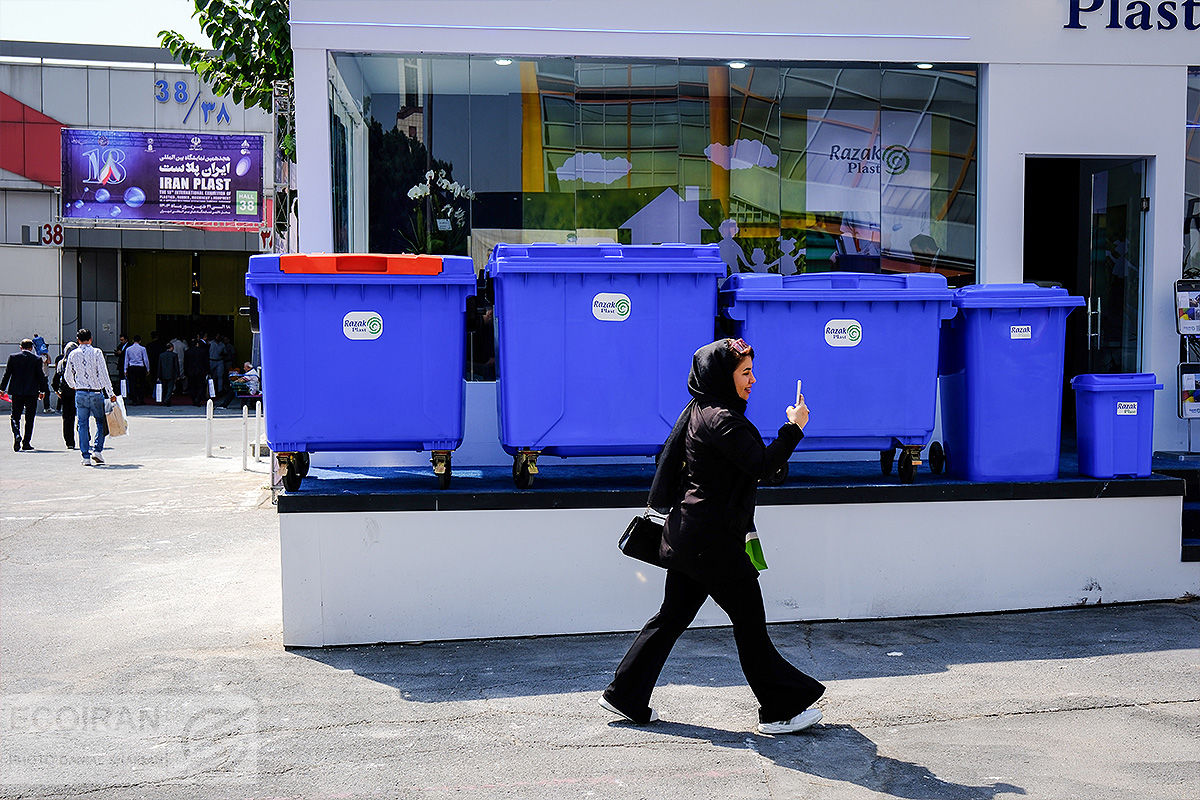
x: 23, y: 404
x: 135, y: 384
x: 782, y: 690
x: 66, y: 407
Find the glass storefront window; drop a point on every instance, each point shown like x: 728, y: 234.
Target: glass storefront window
x: 789, y: 167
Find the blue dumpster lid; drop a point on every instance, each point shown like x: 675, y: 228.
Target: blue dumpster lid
x: 601, y: 258
x: 837, y: 286
x: 360, y: 268
x: 1115, y: 383
x: 1014, y: 295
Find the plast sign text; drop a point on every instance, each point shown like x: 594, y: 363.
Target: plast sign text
x: 1135, y: 14
x: 843, y: 332
x: 362, y: 325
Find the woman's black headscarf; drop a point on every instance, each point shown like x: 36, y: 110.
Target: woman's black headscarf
x: 710, y: 382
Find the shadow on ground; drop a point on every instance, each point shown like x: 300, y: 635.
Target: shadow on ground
x: 441, y: 671
x: 839, y: 753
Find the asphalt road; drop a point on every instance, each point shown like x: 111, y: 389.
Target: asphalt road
x: 141, y: 657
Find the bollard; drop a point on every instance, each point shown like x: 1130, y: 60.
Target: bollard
x: 208, y: 420
x: 245, y: 434
x: 257, y: 431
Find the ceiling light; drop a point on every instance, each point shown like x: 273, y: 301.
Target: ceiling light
x: 503, y: 62
x: 924, y: 66
x: 737, y: 64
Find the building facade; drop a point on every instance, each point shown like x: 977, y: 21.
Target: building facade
x: 112, y: 276
x: 991, y: 142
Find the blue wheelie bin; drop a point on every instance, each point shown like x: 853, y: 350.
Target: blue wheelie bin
x: 865, y: 347
x: 1115, y: 423
x: 594, y: 343
x: 361, y: 352
x: 1001, y: 381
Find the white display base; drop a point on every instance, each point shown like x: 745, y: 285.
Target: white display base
x: 356, y: 578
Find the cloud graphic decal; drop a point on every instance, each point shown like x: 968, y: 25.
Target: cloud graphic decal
x: 593, y: 168
x: 744, y: 154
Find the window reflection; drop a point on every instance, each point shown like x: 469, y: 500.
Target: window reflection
x: 789, y: 168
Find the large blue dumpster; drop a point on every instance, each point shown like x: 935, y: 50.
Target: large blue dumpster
x: 361, y: 352
x: 865, y: 347
x: 1115, y: 423
x: 1002, y: 380
x: 594, y: 343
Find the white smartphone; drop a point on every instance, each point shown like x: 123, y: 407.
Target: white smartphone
x: 797, y: 392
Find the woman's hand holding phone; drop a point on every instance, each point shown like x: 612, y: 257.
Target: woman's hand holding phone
x: 798, y: 414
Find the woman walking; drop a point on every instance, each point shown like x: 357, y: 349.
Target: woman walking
x: 707, y: 476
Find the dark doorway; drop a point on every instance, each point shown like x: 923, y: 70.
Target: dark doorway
x: 1084, y: 230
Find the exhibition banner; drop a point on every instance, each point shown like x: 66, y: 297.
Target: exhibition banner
x: 163, y: 177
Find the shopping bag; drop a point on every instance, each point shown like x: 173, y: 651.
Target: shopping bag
x: 158, y: 390
x: 124, y: 392
x: 212, y: 390
x: 4, y: 396
x: 118, y: 424
x: 755, y: 551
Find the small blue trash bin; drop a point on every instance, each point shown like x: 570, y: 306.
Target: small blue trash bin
x: 1115, y: 423
x: 594, y: 344
x: 865, y: 347
x: 362, y: 352
x: 1001, y: 373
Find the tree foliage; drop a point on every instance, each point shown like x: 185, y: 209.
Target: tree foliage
x: 252, y: 48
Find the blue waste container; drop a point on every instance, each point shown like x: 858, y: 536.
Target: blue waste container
x: 361, y: 352
x: 594, y: 344
x: 1001, y: 381
x: 1115, y: 423
x: 865, y: 347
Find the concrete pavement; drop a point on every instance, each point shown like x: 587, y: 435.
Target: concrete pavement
x: 140, y: 657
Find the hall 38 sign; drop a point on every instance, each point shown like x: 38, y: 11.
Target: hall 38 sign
x: 1164, y: 15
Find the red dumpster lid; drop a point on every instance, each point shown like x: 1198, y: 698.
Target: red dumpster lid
x: 359, y: 263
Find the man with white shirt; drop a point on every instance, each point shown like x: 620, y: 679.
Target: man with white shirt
x: 137, y: 364
x: 87, y: 373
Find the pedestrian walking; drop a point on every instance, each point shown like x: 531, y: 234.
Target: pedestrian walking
x: 42, y: 351
x: 25, y: 381
x: 195, y: 367
x: 66, y: 396
x: 154, y: 349
x: 168, y: 372
x: 180, y: 347
x: 122, y: 346
x: 87, y: 372
x: 707, y: 476
x: 216, y: 363
x: 137, y: 366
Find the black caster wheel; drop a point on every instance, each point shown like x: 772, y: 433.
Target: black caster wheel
x: 937, y: 458
x: 302, y: 463
x: 906, y: 470
x: 292, y: 478
x: 522, y: 477
x: 777, y: 477
x: 886, y: 458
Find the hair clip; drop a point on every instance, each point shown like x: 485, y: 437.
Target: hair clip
x: 739, y: 346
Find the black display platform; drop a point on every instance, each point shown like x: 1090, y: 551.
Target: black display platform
x: 562, y: 485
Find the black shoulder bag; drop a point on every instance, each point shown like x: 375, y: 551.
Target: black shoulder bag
x: 643, y: 538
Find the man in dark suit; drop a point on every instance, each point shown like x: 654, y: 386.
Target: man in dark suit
x: 25, y: 381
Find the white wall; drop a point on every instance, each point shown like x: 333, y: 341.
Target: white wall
x: 29, y: 296
x: 354, y: 578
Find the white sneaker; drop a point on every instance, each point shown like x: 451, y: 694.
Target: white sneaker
x: 804, y: 719
x: 86, y: 462
x: 607, y: 706
x: 96, y: 459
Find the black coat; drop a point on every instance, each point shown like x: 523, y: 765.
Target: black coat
x: 705, y: 534
x: 195, y: 360
x: 24, y: 374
